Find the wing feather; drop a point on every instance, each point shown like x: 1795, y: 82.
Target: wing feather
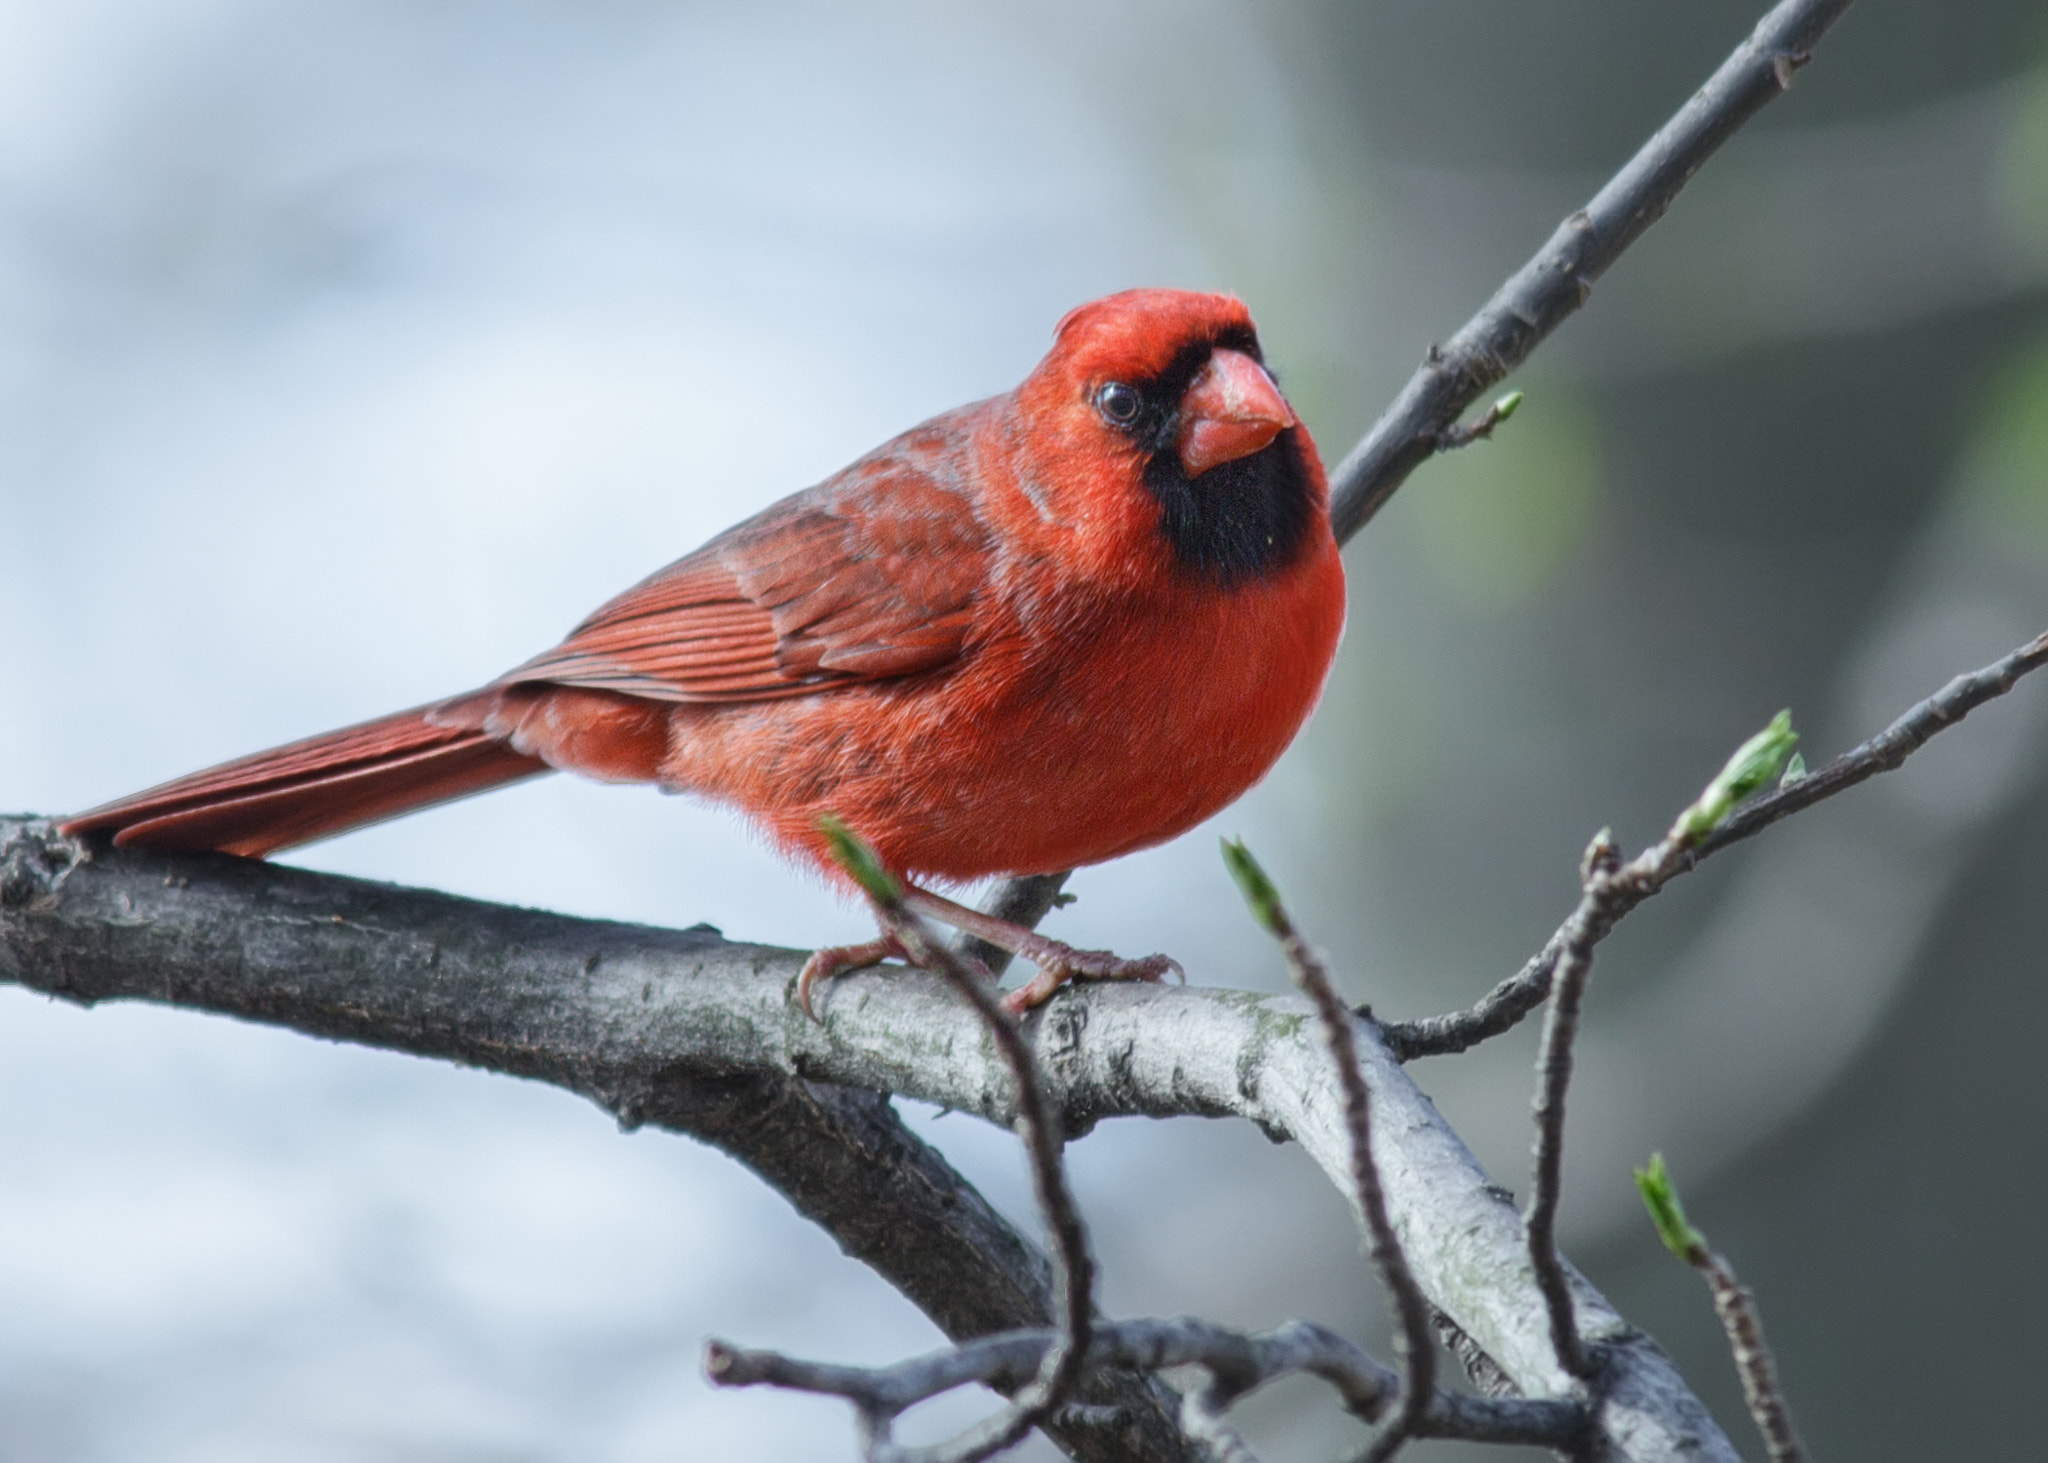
x: 871, y: 575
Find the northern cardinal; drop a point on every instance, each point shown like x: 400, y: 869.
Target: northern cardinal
x: 1035, y: 632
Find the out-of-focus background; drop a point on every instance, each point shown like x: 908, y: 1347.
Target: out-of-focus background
x: 349, y: 353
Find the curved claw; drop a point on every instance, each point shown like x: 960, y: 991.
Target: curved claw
x: 836, y: 960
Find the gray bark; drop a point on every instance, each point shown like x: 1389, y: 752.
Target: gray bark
x: 688, y: 1031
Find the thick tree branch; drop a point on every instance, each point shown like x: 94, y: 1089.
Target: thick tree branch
x: 685, y: 1030
x: 221, y: 930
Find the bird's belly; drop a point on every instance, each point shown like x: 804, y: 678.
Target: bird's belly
x: 1036, y: 759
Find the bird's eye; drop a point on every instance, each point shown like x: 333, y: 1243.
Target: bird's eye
x: 1119, y: 403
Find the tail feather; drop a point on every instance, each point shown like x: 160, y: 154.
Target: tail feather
x: 313, y: 789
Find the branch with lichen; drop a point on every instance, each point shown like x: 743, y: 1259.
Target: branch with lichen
x: 684, y: 1030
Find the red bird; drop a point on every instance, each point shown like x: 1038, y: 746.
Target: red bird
x: 1036, y: 632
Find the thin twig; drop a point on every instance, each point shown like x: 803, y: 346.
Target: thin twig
x: 1558, y: 279
x: 1418, y: 1335
x: 1886, y: 751
x: 1238, y: 1364
x: 1038, y: 1127
x: 1736, y: 1308
x: 1553, y: 1076
x: 1501, y: 1008
x: 1411, y: 1306
x: 1753, y: 1361
x: 1609, y: 889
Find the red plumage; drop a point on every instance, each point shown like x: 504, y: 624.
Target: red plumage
x: 1035, y: 632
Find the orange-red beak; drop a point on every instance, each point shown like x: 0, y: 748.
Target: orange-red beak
x: 1231, y: 410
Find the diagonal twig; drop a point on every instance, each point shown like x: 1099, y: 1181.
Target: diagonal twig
x: 1411, y: 1306
x: 1734, y: 1305
x: 1609, y: 890
x: 1514, y: 998
x: 1559, y: 277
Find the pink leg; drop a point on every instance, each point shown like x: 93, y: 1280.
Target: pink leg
x: 1057, y: 963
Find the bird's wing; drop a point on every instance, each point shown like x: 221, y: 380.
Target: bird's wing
x: 872, y: 575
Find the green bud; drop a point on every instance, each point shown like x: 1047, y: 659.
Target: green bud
x: 1259, y: 892
x: 855, y: 855
x: 1756, y: 762
x: 1505, y: 407
x: 1660, y: 1197
x: 1794, y: 770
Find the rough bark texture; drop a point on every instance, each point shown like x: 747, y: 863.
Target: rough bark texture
x: 578, y: 1003
x: 687, y: 1030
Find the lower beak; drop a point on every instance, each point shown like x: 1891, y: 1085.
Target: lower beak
x: 1230, y: 410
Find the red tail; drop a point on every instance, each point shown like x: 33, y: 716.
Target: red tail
x: 313, y: 789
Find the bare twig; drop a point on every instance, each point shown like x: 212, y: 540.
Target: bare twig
x: 1501, y: 1008
x: 1610, y: 889
x: 1038, y: 1127
x: 1558, y: 279
x: 1411, y: 1306
x: 1236, y: 1362
x: 1553, y: 1076
x: 1736, y: 1308
x: 1753, y: 1361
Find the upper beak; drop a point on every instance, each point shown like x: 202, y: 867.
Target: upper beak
x: 1231, y: 410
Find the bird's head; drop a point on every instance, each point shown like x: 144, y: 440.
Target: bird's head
x: 1159, y: 403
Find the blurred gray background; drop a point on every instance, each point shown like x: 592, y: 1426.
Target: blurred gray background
x: 350, y: 353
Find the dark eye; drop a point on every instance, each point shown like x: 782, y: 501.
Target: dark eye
x: 1119, y: 403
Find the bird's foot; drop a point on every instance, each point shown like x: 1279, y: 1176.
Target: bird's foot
x: 838, y: 960
x: 844, y: 959
x: 1057, y: 964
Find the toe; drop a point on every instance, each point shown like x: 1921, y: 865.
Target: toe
x: 1034, y: 992
x: 836, y: 960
